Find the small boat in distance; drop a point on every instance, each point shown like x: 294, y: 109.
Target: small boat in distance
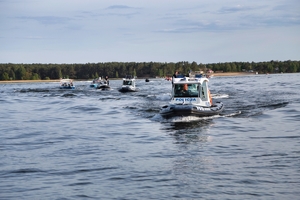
x: 66, y: 84
x: 95, y: 82
x: 191, y: 97
x: 103, y: 85
x: 128, y: 84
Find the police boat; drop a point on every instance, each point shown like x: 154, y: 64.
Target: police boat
x: 191, y: 97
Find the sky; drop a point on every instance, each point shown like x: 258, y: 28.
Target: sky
x: 202, y: 31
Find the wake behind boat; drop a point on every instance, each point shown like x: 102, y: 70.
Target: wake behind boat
x: 66, y: 84
x: 191, y: 97
x: 128, y: 84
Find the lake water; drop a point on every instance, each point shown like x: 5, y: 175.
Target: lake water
x: 90, y: 144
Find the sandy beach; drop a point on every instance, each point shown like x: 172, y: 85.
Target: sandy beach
x: 233, y: 74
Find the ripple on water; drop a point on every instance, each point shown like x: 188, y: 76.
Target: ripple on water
x: 107, y: 145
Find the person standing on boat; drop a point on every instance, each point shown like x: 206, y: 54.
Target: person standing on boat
x: 174, y: 76
x: 106, y: 79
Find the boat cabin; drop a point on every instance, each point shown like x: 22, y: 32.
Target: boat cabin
x: 191, y: 90
x: 128, y: 82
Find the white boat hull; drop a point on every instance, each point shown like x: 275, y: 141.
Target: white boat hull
x: 67, y: 87
x: 173, y: 110
x: 103, y: 87
x: 127, y: 89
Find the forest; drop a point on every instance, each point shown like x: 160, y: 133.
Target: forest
x: 36, y: 71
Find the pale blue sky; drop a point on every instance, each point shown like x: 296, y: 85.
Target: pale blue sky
x: 204, y: 31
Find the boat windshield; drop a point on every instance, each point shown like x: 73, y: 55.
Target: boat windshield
x: 186, y: 90
x: 127, y: 82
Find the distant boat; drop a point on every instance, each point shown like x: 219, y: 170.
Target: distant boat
x: 66, y: 84
x: 128, y: 84
x: 103, y: 85
x: 95, y: 82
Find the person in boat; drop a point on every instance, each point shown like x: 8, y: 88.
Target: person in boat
x: 210, y: 98
x: 182, y: 90
x: 185, y: 89
x: 106, y: 79
x: 174, y: 76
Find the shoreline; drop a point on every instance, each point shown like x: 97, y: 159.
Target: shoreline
x: 58, y: 80
x: 233, y: 74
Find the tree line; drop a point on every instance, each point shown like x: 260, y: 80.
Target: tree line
x: 36, y: 71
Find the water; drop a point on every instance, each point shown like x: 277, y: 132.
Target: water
x: 89, y: 144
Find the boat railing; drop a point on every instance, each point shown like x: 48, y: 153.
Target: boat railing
x: 129, y: 77
x: 196, y: 74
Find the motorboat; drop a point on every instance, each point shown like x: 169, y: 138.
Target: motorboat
x: 128, y: 84
x: 190, y: 96
x: 95, y: 82
x: 103, y: 85
x: 66, y: 84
